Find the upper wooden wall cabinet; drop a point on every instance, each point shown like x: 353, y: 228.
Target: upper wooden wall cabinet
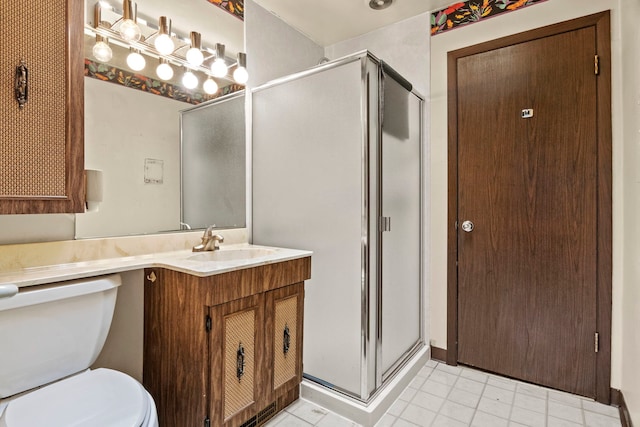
x: 42, y: 142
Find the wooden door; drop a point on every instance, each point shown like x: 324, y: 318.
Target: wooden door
x: 527, y: 180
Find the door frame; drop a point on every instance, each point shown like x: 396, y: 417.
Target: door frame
x: 601, y: 22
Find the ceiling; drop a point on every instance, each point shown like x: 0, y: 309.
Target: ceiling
x: 329, y: 21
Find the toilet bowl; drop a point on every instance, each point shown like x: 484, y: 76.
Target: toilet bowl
x: 100, y: 397
x: 52, y: 335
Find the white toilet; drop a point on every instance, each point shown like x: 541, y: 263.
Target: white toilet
x: 49, y: 336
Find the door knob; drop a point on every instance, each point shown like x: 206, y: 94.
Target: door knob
x: 467, y: 226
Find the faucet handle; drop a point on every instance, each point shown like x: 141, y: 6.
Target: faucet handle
x: 209, y: 240
x: 217, y: 239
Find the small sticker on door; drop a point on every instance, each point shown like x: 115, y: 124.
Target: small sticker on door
x: 527, y: 113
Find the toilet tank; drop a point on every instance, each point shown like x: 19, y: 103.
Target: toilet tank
x: 51, y: 331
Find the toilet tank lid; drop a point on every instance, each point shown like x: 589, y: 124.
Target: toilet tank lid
x: 57, y: 291
x: 98, y: 397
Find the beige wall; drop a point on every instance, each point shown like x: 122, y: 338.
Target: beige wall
x: 123, y: 348
x: 630, y: 293
x: 274, y: 48
x: 546, y: 13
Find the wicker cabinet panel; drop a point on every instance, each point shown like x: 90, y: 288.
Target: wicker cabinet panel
x: 234, y: 359
x: 42, y: 141
x: 286, y: 335
x: 239, y: 361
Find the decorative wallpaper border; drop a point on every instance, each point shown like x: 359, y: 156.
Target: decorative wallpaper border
x: 472, y: 11
x: 234, y: 7
x: 107, y: 73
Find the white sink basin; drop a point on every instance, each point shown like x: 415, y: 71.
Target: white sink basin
x: 223, y: 255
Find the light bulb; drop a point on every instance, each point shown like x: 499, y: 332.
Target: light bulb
x: 102, y: 51
x: 129, y: 30
x: 164, y: 44
x: 194, y: 54
x: 240, y: 75
x: 210, y: 86
x: 135, y: 61
x: 195, y: 57
x: 189, y: 80
x: 164, y: 71
x: 219, y: 68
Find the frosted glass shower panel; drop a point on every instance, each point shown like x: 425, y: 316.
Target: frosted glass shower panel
x: 307, y: 193
x: 400, y: 172
x: 213, y: 137
x: 336, y: 151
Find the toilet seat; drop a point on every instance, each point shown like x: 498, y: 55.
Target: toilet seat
x: 100, y: 397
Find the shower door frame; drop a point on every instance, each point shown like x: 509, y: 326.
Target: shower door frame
x: 371, y: 296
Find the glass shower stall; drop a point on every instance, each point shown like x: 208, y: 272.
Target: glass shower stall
x: 337, y: 169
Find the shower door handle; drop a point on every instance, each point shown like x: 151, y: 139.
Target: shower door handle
x: 385, y: 223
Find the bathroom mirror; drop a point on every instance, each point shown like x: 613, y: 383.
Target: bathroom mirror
x: 213, y: 163
x: 132, y: 134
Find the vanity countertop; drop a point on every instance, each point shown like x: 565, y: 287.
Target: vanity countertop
x: 202, y: 264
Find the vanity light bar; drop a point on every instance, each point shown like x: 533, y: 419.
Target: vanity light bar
x: 145, y: 45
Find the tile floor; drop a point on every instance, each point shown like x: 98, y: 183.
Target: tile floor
x: 443, y: 396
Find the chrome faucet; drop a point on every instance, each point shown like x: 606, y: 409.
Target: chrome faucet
x: 210, y: 241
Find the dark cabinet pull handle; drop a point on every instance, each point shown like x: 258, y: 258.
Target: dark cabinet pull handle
x: 286, y: 340
x: 240, y: 362
x: 22, y: 84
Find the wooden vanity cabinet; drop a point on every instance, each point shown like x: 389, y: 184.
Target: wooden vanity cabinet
x: 224, y: 350
x: 42, y: 139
